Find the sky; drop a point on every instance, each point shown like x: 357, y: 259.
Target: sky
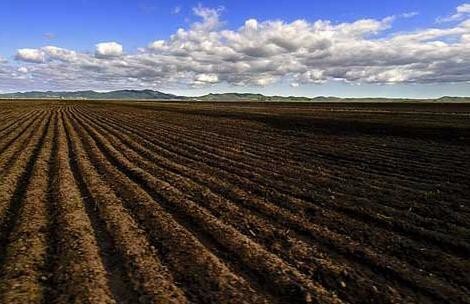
x: 354, y: 48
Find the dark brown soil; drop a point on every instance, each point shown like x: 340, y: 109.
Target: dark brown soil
x: 147, y: 202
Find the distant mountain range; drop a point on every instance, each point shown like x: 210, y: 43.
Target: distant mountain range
x: 147, y: 95
x: 121, y: 94
x: 156, y: 95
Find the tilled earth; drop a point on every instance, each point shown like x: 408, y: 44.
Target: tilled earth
x: 146, y: 202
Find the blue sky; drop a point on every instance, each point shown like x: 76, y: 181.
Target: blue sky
x: 79, y: 25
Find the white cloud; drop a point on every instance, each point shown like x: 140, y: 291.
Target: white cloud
x: 108, y: 50
x: 461, y: 12
x: 47, y: 54
x: 159, y: 44
x: 30, y: 55
x: 53, y: 52
x: 261, y: 53
x: 464, y: 9
x: 207, y: 78
x: 23, y: 70
x: 210, y: 17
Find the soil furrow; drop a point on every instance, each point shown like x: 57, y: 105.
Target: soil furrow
x: 322, y: 199
x: 203, y: 202
x: 23, y: 276
x: 187, y: 175
x: 146, y: 273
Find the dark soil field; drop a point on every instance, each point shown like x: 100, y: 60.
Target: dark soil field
x: 146, y: 202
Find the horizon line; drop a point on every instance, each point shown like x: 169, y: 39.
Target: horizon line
x: 223, y: 93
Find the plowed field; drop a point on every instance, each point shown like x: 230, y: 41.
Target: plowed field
x: 121, y: 202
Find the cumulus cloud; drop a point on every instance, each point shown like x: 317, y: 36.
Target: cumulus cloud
x: 108, y: 50
x: 261, y: 53
x: 30, y: 55
x: 47, y: 54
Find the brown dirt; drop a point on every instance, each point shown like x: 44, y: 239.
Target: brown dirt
x: 146, y: 202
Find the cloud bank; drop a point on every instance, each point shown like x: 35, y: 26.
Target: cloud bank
x: 260, y: 53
